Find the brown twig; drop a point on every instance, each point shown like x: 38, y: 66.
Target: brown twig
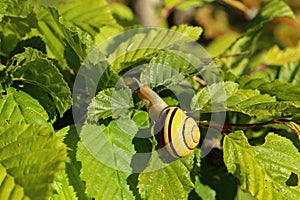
x: 216, y: 126
x: 226, y: 126
x: 232, y: 55
x: 290, y: 127
x: 200, y: 81
x: 258, y: 68
x: 225, y: 56
x: 166, y: 12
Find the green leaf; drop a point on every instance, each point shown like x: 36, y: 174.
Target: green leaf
x: 34, y: 68
x: 204, y: 191
x: 141, y: 118
x: 179, y: 4
x: 263, y: 170
x: 62, y: 188
x: 62, y: 43
x: 42, y: 97
x: 105, y: 154
x: 283, y: 91
x: 3, y: 8
x: 290, y: 73
x: 16, y: 8
x: 171, y: 3
x: 227, y: 96
x: 30, y: 157
x: 221, y: 43
x: 123, y: 14
x: 103, y: 182
x: 274, y: 109
x: 139, y: 44
x: 275, y: 56
x: 110, y: 102
x: 16, y: 21
x: 18, y: 107
x: 87, y: 17
x: 193, y: 32
x: 94, y: 75
x: 167, y: 68
x: 71, y: 138
x: 35, y: 42
x: 54, y: 38
x: 68, y: 36
x: 72, y: 37
x: 247, y: 41
x: 273, y: 9
x: 296, y: 126
x: 166, y: 181
x: 106, y: 33
x: 244, y: 195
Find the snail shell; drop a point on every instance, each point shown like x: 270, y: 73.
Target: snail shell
x: 179, y: 133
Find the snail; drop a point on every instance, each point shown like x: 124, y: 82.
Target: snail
x: 178, y: 133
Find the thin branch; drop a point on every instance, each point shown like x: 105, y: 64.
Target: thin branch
x: 238, y: 5
x: 214, y: 125
x: 258, y: 68
x: 250, y: 125
x: 290, y: 127
x: 225, y: 56
x: 200, y: 81
x: 232, y: 55
x: 166, y: 12
x: 226, y: 126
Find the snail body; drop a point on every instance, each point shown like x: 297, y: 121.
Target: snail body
x: 178, y: 133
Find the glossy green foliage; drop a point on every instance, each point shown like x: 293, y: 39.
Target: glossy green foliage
x: 72, y: 124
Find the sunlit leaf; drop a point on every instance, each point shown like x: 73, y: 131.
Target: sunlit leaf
x: 204, y: 191
x: 62, y: 188
x: 276, y: 56
x: 263, y: 170
x: 188, y: 31
x: 161, y: 181
x: 72, y: 37
x: 20, y: 108
x: 179, y: 4
x: 43, y: 98
x: 30, y: 157
x: 123, y: 14
x: 247, y: 41
x: 34, y: 68
x: 141, y: 118
x: 228, y: 97
x: 290, y: 73
x: 72, y: 173
x: 166, y: 69
x: 283, y: 91
x: 63, y: 43
x: 88, y: 17
x: 170, y: 4
x: 139, y: 44
x: 105, y: 154
x: 110, y: 103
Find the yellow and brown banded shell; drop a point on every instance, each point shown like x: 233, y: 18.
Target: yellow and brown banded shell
x: 179, y: 133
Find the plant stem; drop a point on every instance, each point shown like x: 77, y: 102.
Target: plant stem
x: 259, y: 68
x: 226, y: 126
